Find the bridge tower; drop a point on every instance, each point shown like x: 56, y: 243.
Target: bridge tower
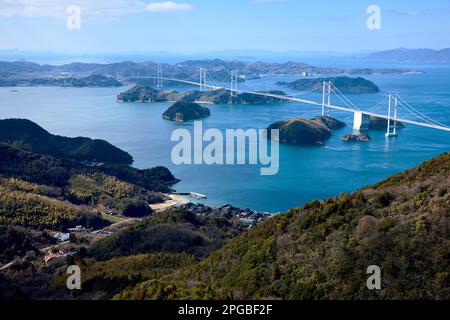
x: 394, y: 130
x: 159, y: 76
x: 202, y: 79
x: 323, y: 97
x: 326, y: 94
x: 329, y: 97
x: 234, y: 83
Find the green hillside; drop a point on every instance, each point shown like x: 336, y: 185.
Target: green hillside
x: 322, y: 250
x: 344, y: 84
x: 28, y: 134
x: 172, y: 231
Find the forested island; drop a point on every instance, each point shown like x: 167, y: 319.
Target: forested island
x: 146, y: 94
x: 184, y: 111
x: 343, y: 84
x: 301, y: 131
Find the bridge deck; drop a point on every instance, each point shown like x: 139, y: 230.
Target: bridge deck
x: 315, y: 103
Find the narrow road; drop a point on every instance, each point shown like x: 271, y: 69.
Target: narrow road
x: 6, y: 266
x: 54, y: 246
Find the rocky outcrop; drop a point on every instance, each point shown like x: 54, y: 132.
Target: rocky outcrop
x: 185, y: 111
x: 301, y: 131
x: 329, y: 122
x: 356, y: 138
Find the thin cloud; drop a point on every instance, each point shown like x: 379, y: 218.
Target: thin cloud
x: 98, y: 9
x: 328, y: 18
x: 423, y: 12
x: 168, y: 6
x: 267, y: 1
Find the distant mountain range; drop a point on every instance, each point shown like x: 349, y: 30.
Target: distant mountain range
x: 420, y: 55
x: 28, y: 74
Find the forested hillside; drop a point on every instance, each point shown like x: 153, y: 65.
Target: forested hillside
x: 42, y: 191
x: 322, y: 250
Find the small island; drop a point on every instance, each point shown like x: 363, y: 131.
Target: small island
x: 343, y: 84
x: 329, y: 122
x: 147, y: 94
x: 185, y: 111
x: 301, y: 131
x: 96, y: 80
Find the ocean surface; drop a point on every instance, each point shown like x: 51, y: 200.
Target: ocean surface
x: 305, y: 174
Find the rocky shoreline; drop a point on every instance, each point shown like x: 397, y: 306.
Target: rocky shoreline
x: 246, y: 216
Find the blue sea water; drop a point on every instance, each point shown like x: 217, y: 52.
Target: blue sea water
x: 306, y: 173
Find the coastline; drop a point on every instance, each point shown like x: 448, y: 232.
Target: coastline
x: 174, y: 200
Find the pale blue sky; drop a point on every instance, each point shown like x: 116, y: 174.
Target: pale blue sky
x: 192, y: 26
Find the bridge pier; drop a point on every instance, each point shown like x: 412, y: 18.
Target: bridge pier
x: 361, y: 121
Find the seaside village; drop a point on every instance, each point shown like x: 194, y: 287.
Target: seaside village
x: 67, y: 243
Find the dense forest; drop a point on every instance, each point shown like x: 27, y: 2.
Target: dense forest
x: 343, y: 84
x: 31, y: 136
x: 172, y: 231
x: 322, y: 250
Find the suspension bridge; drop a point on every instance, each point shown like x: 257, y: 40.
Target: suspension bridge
x: 397, y: 109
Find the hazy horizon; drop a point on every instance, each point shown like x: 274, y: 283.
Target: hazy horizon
x: 189, y: 27
x: 317, y: 57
